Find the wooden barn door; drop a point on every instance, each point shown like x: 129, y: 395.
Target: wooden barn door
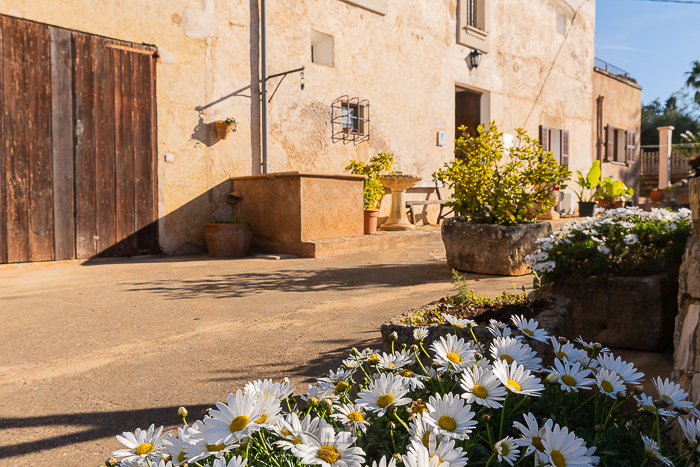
x: 78, y: 155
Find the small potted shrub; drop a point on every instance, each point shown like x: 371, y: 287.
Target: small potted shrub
x: 612, y: 193
x: 228, y: 236
x: 373, y: 188
x: 497, y: 195
x: 224, y: 127
x: 620, y: 270
x: 586, y: 201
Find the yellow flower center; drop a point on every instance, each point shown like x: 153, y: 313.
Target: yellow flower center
x: 238, y: 423
x: 286, y: 432
x: 504, y: 449
x: 537, y: 442
x: 507, y: 358
x: 342, y: 386
x: 558, y: 458
x: 328, y: 454
x: 447, y: 423
x: 215, y: 447
x: 390, y: 364
x: 650, y: 408
x: 426, y: 440
x: 568, y: 380
x: 356, y: 417
x: 262, y: 419
x: 562, y: 355
x: 607, y: 387
x: 480, y: 391
x: 419, y: 408
x: 528, y: 332
x: 296, y: 440
x: 406, y: 373
x: 181, y: 457
x: 453, y: 357
x: 314, y: 400
x: 374, y: 359
x: 144, y: 448
x: 385, y: 400
x: 515, y: 386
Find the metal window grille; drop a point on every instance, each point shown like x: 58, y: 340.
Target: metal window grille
x: 350, y: 120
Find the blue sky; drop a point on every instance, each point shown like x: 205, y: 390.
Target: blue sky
x: 654, y: 41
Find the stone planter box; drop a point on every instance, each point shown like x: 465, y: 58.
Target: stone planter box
x: 556, y: 320
x: 491, y: 249
x: 634, y: 313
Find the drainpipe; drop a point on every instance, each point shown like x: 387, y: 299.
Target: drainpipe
x: 263, y: 36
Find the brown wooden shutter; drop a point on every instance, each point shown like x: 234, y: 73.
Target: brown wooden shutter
x: 564, y: 148
x: 631, y: 146
x: 609, y: 143
x: 544, y: 138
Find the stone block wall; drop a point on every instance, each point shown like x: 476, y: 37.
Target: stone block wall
x: 686, y: 365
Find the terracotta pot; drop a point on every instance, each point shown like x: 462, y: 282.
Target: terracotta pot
x: 371, y: 216
x: 228, y: 240
x: 586, y: 208
x: 656, y: 196
x: 223, y: 128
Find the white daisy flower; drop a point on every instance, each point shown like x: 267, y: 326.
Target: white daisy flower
x: 482, y: 387
x: 459, y: 323
x: 604, y: 249
x: 595, y: 460
x: 647, y: 403
x: 517, y: 379
x: 236, y: 461
x: 351, y: 416
x: 418, y: 456
x: 271, y: 411
x: 532, y: 435
x: 572, y: 377
x: 292, y: 431
x: 412, y: 380
x: 238, y: 419
x: 566, y: 351
x: 421, y: 431
x: 383, y: 462
x: 691, y: 430
x: 450, y: 416
x: 630, y: 239
x: 339, y: 379
x: 394, y: 361
x: 316, y: 394
x: 651, y: 449
x: 499, y: 329
x: 384, y: 392
x: 671, y: 227
x: 204, y: 446
x: 564, y: 449
x: 671, y: 393
x: 420, y: 333
x: 444, y: 451
x: 140, y: 444
x: 510, y: 350
x: 177, y: 446
x: 610, y: 383
x: 507, y: 450
x: 330, y: 449
x: 625, y: 370
x: 266, y: 387
x: 453, y: 353
x: 588, y: 346
x: 529, y: 328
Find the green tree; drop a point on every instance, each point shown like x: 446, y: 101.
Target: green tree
x: 673, y: 113
x: 693, y: 80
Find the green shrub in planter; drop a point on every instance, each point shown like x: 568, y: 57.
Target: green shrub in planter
x: 495, y: 185
x: 377, y: 166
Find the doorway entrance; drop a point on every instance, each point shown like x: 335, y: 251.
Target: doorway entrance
x: 467, y: 111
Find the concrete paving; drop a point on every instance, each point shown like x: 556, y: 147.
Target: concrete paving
x: 88, y: 351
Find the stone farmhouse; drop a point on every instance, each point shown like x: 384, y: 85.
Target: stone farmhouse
x: 109, y: 145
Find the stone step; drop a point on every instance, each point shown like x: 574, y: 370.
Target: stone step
x: 381, y: 241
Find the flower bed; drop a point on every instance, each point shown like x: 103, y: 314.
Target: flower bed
x: 464, y: 406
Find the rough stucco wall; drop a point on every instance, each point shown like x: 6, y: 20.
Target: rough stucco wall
x: 622, y: 108
x: 406, y: 63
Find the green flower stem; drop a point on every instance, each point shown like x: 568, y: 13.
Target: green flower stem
x: 584, y: 403
x: 362, y: 367
x: 658, y: 428
x: 263, y: 445
x: 392, y: 347
x: 503, y: 415
x: 420, y: 344
x: 615, y: 404
x: 421, y: 364
x: 490, y: 459
x: 393, y: 441
x: 481, y: 349
x: 398, y: 419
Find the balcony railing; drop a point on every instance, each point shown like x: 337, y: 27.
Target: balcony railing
x: 603, y: 65
x: 650, y: 163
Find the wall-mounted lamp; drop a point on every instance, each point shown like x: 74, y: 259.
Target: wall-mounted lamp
x: 475, y: 58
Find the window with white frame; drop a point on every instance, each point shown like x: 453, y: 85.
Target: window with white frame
x: 620, y: 145
x: 474, y: 18
x: 556, y: 141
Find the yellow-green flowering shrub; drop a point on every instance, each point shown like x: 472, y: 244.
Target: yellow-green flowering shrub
x: 376, y: 167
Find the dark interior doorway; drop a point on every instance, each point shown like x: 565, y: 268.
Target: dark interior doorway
x: 467, y: 112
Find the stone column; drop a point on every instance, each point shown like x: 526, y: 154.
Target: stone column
x: 686, y: 362
x: 665, y: 133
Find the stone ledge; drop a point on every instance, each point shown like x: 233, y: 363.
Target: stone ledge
x: 381, y: 241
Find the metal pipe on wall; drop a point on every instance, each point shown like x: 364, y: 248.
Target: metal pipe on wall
x: 263, y: 36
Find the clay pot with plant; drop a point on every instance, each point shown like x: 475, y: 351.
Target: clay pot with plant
x: 373, y: 189
x: 224, y: 127
x: 613, y: 193
x: 587, y: 190
x: 228, y: 235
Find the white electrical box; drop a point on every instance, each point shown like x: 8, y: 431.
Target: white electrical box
x: 169, y: 158
x: 441, y: 138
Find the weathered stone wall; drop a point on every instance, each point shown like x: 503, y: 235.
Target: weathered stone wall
x: 622, y: 108
x: 686, y: 365
x: 406, y: 62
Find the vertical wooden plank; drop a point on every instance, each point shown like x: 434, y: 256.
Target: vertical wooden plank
x: 124, y: 148
x: 105, y: 160
x: 155, y: 229
x: 41, y: 244
x: 143, y: 176
x: 84, y: 147
x: 15, y: 140
x: 3, y: 221
x: 62, y: 142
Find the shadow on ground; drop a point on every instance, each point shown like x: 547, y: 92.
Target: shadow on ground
x: 245, y: 284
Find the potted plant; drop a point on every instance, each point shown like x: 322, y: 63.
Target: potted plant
x: 619, y: 269
x: 656, y: 196
x: 228, y: 236
x: 587, y: 204
x: 611, y: 193
x: 498, y: 194
x: 373, y: 189
x: 224, y: 127
x: 691, y: 150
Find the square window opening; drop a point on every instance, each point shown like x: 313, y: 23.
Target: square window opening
x: 321, y: 49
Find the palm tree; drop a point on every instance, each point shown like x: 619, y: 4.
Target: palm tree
x: 693, y: 80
